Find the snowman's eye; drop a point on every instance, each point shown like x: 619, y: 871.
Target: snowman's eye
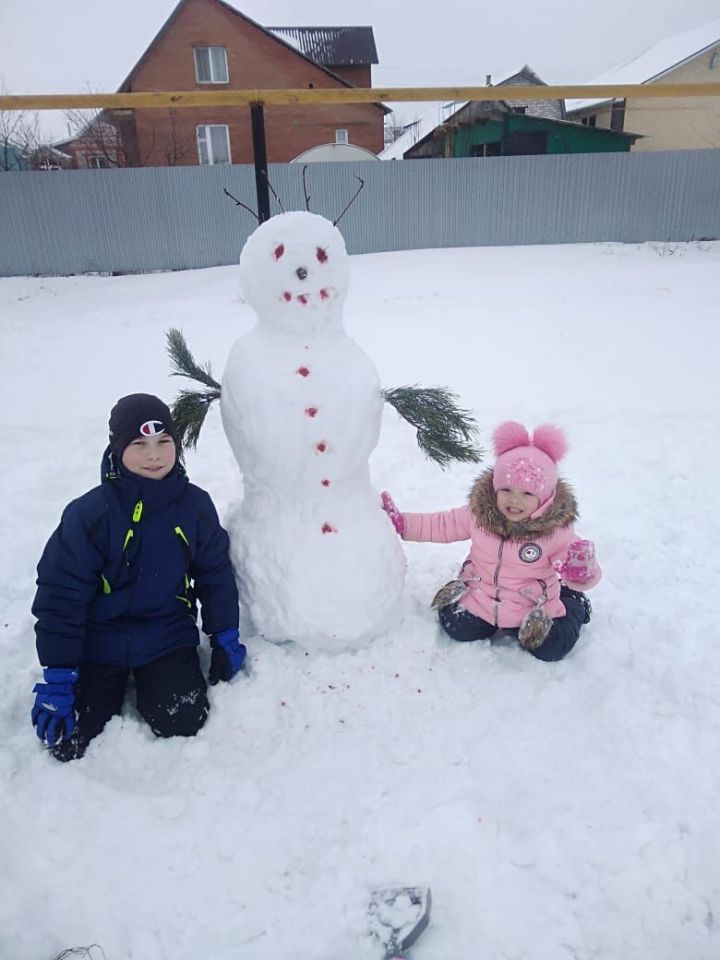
x: 278, y: 251
x: 321, y: 255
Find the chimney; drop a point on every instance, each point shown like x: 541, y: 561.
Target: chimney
x: 488, y: 79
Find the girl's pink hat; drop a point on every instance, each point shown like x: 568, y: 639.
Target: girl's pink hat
x: 528, y: 462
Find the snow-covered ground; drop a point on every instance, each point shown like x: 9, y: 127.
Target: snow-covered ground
x: 556, y: 810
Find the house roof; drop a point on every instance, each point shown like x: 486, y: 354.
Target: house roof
x: 433, y: 118
x: 125, y: 85
x: 418, y: 130
x: 655, y: 62
x: 495, y: 112
x: 331, y: 46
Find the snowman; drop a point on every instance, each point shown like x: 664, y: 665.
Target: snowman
x: 317, y: 560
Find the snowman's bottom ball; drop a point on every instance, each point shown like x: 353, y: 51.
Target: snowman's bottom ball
x: 334, y: 589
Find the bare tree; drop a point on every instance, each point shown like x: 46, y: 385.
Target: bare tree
x: 19, y: 137
x: 393, y: 129
x: 177, y: 142
x: 396, y: 128
x: 108, y: 138
x: 97, y: 138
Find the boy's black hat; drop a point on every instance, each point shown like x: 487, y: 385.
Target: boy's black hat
x: 138, y: 415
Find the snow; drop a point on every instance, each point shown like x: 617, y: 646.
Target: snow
x: 419, y: 129
x: 301, y: 405
x: 655, y: 61
x: 556, y: 810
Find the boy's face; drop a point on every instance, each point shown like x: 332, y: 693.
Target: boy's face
x: 516, y: 504
x: 152, y: 457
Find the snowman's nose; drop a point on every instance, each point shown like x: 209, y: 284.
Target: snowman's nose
x: 301, y: 273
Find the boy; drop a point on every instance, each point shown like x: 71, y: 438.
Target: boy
x: 117, y: 588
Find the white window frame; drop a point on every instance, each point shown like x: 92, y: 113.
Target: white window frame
x: 202, y: 134
x: 211, y: 66
x: 341, y: 136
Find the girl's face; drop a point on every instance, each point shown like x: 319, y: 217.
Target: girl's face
x: 152, y: 457
x: 515, y: 503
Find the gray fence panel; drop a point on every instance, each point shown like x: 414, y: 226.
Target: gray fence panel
x: 170, y: 218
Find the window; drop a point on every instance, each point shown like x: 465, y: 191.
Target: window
x: 485, y: 149
x: 210, y: 64
x: 526, y: 143
x: 341, y: 136
x: 98, y: 162
x: 617, y: 116
x: 213, y: 142
x: 590, y: 120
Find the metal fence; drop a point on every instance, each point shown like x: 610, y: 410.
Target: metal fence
x: 174, y: 218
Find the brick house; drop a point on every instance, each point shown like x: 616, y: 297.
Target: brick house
x: 96, y: 146
x: 209, y: 45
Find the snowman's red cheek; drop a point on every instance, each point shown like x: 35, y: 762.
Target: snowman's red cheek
x: 321, y: 255
x: 278, y: 251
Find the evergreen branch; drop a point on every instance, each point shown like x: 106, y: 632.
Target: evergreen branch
x: 189, y: 411
x: 184, y: 362
x: 191, y: 406
x: 445, y: 432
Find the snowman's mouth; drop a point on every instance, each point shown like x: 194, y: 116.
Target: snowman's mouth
x: 324, y: 293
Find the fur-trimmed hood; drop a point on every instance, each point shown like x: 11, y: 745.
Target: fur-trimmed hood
x: 562, y: 512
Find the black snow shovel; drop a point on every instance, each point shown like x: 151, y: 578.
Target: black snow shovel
x: 398, y: 915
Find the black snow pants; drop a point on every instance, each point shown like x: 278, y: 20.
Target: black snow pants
x: 171, y: 696
x: 460, y: 624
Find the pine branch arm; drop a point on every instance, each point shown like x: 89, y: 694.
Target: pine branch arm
x: 190, y: 406
x: 445, y: 432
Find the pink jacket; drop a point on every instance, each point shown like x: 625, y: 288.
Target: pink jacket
x: 509, y: 569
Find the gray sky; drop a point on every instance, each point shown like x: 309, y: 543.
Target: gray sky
x: 67, y: 46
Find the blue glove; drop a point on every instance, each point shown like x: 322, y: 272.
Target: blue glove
x: 53, y: 714
x: 228, y: 656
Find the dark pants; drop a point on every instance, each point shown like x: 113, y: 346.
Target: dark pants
x: 460, y: 624
x: 171, y: 696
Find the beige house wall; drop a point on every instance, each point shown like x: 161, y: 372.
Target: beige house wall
x: 603, y: 115
x: 688, y: 124
x: 691, y: 123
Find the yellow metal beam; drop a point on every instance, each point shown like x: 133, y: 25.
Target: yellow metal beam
x: 235, y: 98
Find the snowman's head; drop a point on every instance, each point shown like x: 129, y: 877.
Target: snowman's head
x: 294, y: 271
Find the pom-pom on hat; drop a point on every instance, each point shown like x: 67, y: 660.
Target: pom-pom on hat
x: 528, y: 462
x: 138, y: 415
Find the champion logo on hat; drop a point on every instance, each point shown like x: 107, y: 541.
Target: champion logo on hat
x: 152, y: 428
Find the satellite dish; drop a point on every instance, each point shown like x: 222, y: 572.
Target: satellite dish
x: 334, y: 151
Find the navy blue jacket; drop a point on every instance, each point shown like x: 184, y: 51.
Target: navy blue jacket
x: 119, y: 578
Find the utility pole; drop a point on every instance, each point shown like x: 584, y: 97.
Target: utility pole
x: 257, y: 119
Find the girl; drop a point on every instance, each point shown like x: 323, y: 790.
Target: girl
x: 526, y: 566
